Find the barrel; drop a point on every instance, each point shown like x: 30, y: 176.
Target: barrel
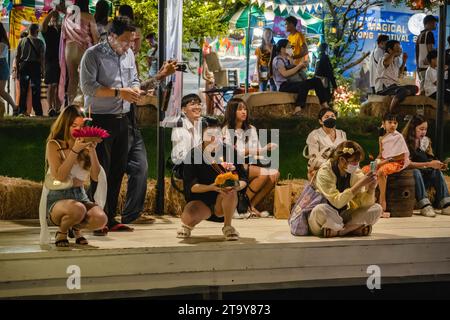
x: 400, y: 194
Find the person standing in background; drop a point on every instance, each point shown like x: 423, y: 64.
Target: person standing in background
x: 30, y: 66
x: 52, y: 34
x: 424, y: 44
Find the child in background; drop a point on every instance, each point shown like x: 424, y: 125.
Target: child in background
x: 393, y: 156
x: 431, y: 77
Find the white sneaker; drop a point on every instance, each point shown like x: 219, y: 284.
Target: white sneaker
x: 428, y: 211
x: 265, y: 214
x: 446, y: 211
x: 238, y: 215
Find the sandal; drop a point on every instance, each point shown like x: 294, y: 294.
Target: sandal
x: 63, y: 243
x: 328, y: 233
x: 184, y: 231
x: 102, y: 232
x: 78, y: 240
x: 230, y: 233
x: 363, y: 231
x: 120, y: 227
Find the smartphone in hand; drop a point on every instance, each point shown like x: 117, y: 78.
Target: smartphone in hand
x: 373, y: 166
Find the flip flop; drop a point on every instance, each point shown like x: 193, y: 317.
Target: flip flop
x: 120, y: 227
x: 101, y: 232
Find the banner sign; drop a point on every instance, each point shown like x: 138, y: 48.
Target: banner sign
x: 403, y: 27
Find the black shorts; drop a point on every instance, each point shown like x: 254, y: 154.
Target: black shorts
x: 213, y: 217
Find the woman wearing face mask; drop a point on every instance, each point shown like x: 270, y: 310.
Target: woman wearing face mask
x: 263, y: 54
x: 204, y: 198
x: 321, y: 142
x: 427, y: 167
x: 283, y: 69
x: 350, y: 195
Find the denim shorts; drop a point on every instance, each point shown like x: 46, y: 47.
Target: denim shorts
x: 76, y: 193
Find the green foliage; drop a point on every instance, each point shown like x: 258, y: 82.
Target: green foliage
x: 200, y: 19
x: 23, y: 143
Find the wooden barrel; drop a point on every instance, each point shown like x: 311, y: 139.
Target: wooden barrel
x: 400, y: 194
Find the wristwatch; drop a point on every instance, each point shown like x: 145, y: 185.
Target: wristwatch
x: 116, y: 92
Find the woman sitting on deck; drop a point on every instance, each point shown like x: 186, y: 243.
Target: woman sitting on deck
x: 350, y: 195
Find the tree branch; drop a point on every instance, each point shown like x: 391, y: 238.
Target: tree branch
x: 354, y: 63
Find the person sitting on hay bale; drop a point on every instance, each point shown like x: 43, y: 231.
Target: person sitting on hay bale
x: 428, y: 169
x: 349, y: 207
x: 71, y: 161
x: 211, y: 185
x: 389, y: 69
x: 188, y: 133
x: 238, y: 132
x: 292, y: 78
x: 321, y: 142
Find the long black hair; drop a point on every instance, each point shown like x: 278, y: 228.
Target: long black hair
x: 84, y: 5
x: 3, y: 35
x: 282, y: 43
x: 230, y: 114
x: 409, y: 133
x: 102, y: 12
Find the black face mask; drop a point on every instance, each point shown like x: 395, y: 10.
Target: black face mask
x: 329, y: 123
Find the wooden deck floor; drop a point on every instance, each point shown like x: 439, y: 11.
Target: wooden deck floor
x: 152, y: 261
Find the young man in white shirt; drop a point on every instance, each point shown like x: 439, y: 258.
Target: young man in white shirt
x: 189, y: 133
x: 375, y: 57
x: 424, y: 44
x: 431, y: 78
x: 388, y: 75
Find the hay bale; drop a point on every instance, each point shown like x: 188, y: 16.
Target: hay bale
x: 19, y: 198
x: 175, y: 199
x: 149, y: 204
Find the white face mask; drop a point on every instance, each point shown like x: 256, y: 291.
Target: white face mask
x: 289, y: 52
x: 351, y: 168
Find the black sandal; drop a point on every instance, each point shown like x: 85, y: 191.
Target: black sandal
x: 62, y: 242
x: 78, y: 240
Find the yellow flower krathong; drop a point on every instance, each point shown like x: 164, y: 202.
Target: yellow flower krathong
x: 227, y: 179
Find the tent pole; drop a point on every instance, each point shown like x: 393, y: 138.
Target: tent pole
x: 247, y: 49
x: 8, y: 86
x: 160, y: 114
x: 441, y: 85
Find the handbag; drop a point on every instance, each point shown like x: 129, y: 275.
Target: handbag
x: 50, y: 182
x: 264, y: 73
x: 282, y: 199
x: 243, y: 201
x: 298, y: 77
x: 306, y: 202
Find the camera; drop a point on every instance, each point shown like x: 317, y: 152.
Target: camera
x: 181, y: 66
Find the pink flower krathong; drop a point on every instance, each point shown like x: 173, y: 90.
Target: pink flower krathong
x: 89, y: 132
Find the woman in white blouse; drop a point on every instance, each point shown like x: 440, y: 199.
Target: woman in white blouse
x: 238, y: 132
x: 321, y: 142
